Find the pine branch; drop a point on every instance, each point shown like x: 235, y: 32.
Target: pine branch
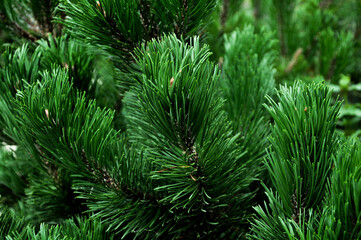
x: 190, y: 135
x: 102, y: 174
x: 340, y: 218
x: 76, y: 228
x: 303, y: 144
x: 10, y: 223
x: 105, y: 167
x: 247, y: 78
x: 120, y: 27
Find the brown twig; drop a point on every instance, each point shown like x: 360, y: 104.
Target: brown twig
x: 296, y: 212
x: 45, y: 21
x: 16, y: 28
x: 294, y: 60
x: 147, y: 20
x: 325, y: 4
x: 106, y: 179
x: 257, y: 10
x: 224, y: 13
x: 183, y: 16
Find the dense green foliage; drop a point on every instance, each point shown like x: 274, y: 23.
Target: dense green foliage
x: 180, y: 119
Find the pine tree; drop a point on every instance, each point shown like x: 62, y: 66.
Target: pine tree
x: 161, y: 119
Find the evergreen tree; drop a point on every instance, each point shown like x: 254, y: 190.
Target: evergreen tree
x: 161, y: 119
